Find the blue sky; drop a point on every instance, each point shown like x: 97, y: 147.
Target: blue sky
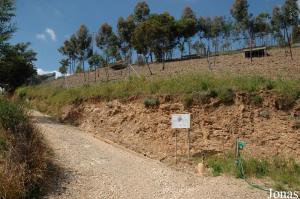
x: 46, y: 24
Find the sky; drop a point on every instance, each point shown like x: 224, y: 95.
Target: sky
x: 46, y: 24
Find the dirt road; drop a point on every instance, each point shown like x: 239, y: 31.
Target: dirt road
x: 95, y: 169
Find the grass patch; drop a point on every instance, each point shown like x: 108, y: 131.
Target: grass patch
x: 51, y: 99
x: 285, y: 173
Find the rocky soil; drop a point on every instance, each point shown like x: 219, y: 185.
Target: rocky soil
x: 267, y: 130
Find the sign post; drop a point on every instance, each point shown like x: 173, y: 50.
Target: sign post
x: 181, y: 121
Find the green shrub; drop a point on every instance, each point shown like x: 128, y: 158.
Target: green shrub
x: 255, y: 167
x: 221, y: 164
x: 285, y: 173
x: 226, y: 95
x: 188, y: 101
x: 285, y: 102
x: 202, y: 97
x: 11, y: 115
x: 256, y: 100
x: 151, y: 102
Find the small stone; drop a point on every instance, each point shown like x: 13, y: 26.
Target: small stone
x: 201, y: 169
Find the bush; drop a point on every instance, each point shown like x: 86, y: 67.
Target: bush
x: 151, y: 102
x: 285, y: 102
x: 188, y: 101
x: 256, y: 100
x: 257, y: 168
x: 226, y: 95
x: 11, y: 116
x: 203, y: 97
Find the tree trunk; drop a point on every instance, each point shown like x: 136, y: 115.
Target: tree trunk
x: 208, y: 54
x: 106, y: 69
x: 189, y: 44
x: 95, y: 73
x: 151, y: 57
x: 83, y: 70
x: 163, y: 60
x: 148, y: 65
x: 251, y: 45
x: 289, y: 43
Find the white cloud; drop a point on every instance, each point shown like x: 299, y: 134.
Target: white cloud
x: 43, y: 72
x: 41, y: 36
x: 51, y: 33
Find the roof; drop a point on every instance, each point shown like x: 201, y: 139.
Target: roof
x: 256, y: 48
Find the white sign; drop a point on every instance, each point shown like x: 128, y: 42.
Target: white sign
x: 181, y: 121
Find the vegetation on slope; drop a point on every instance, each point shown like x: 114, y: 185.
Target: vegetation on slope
x: 51, y: 99
x: 23, y: 155
x: 285, y: 173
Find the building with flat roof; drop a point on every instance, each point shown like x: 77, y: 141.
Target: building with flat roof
x: 256, y: 52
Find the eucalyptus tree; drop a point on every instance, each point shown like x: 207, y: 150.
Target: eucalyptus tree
x: 70, y: 49
x: 277, y: 25
x: 262, y: 26
x: 142, y: 40
x: 217, y: 29
x: 141, y: 12
x: 164, y: 35
x: 84, y: 44
x: 244, y: 20
x: 283, y: 19
x: 290, y: 13
x: 63, y: 69
x: 205, y: 32
x: 187, y: 28
x: 199, y: 47
x: 125, y: 32
x: 109, y: 44
x: 227, y: 32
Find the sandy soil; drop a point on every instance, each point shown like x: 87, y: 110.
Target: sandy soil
x: 96, y: 169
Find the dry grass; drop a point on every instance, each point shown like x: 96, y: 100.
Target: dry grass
x: 23, y: 163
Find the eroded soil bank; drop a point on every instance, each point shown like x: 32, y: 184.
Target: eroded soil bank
x: 268, y: 128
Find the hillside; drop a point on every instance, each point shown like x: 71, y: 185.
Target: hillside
x: 274, y: 66
x: 258, y: 104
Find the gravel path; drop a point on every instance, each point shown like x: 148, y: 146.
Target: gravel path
x: 95, y: 169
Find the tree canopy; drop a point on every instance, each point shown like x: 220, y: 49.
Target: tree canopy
x: 16, y: 61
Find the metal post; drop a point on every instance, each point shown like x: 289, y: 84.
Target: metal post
x: 189, y: 144
x: 175, y: 146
